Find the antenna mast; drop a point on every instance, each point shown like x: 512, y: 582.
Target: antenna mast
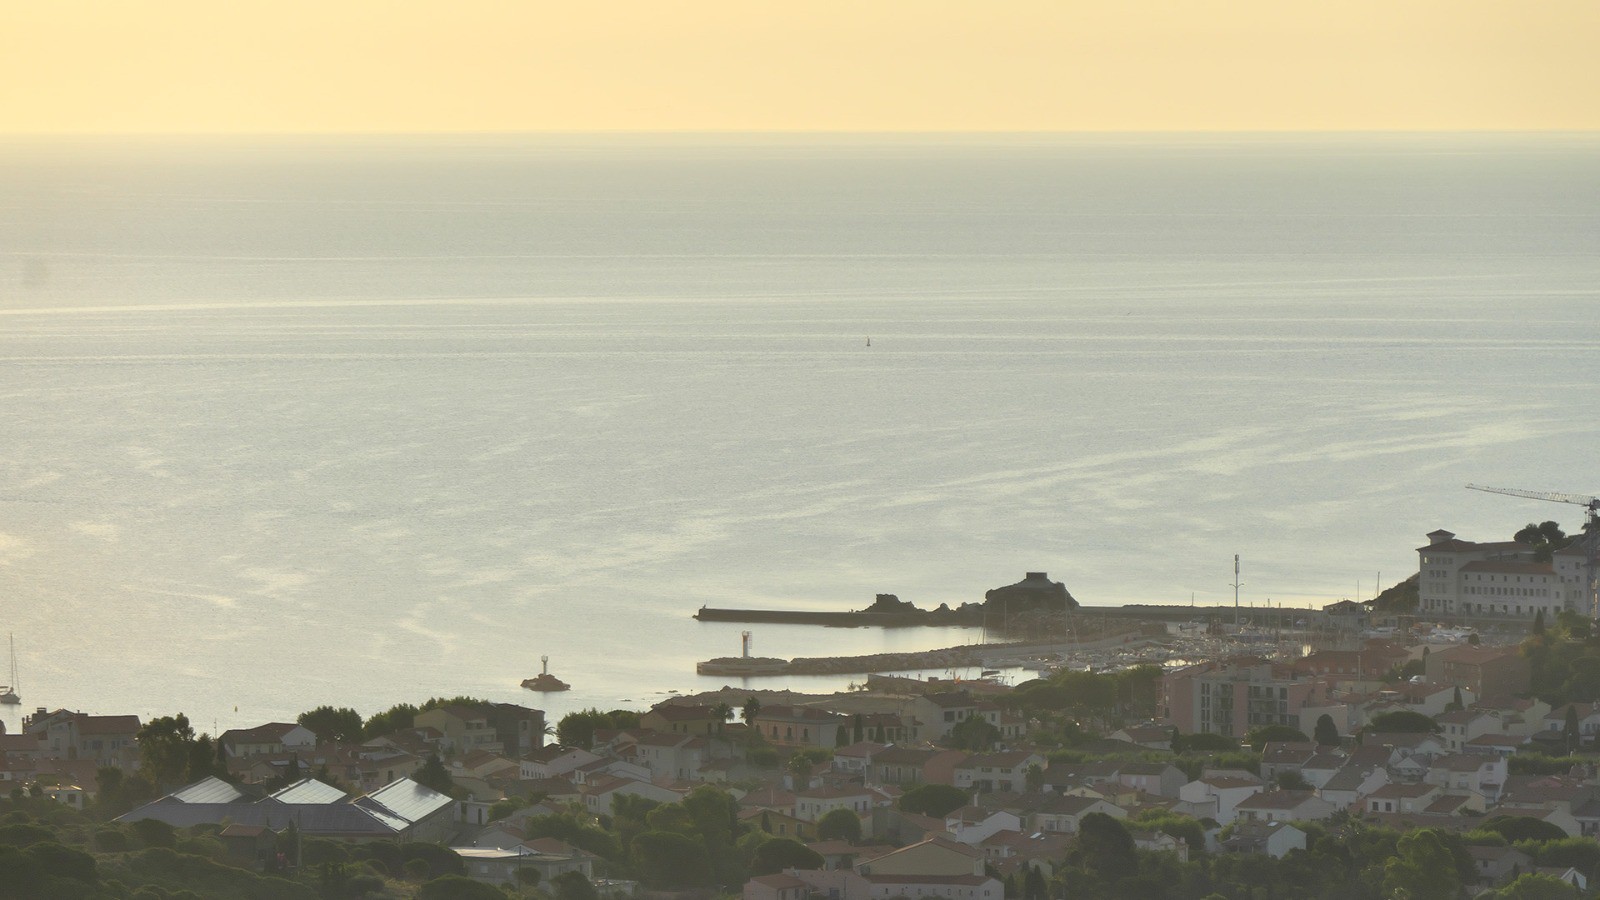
x: 1236, y: 583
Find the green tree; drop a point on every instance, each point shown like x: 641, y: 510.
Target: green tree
x: 1545, y: 538
x: 458, y: 887
x: 1425, y: 867
x: 752, y: 708
x: 1522, y: 828
x: 1292, y: 780
x: 1326, y: 733
x: 1260, y: 737
x: 1033, y: 779
x: 722, y: 712
x: 433, y: 774
x: 669, y: 860
x: 342, y: 724
x: 171, y: 755
x: 773, y: 855
x: 396, y: 718
x: 936, y: 800
x: 1534, y: 886
x: 974, y: 733
x: 1105, y: 847
x: 1203, y: 742
x: 1569, y: 729
x: 839, y: 825
x: 573, y: 886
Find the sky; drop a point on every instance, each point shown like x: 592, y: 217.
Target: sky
x: 386, y: 66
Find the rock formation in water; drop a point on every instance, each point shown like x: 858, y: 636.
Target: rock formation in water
x: 1035, y: 592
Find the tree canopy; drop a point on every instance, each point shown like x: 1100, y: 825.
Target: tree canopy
x: 936, y: 800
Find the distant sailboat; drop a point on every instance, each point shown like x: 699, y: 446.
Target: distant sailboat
x: 8, y: 692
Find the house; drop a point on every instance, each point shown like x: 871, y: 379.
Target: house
x: 1587, y: 715
x: 1009, y: 851
x: 465, y: 728
x: 1065, y: 814
x: 1351, y: 784
x: 1468, y: 578
x: 683, y: 718
x: 914, y: 765
x: 1279, y: 757
x: 776, y: 887
x: 882, y: 728
x: 999, y: 771
x: 1402, y: 798
x: 602, y: 791
x: 555, y: 760
x: 856, y: 759
x: 1274, y: 839
x: 1217, y: 796
x: 843, y: 854
x: 1477, y: 772
x: 1160, y: 842
x: 1152, y: 737
x: 812, y: 804
x: 519, y: 729
x: 1284, y: 806
x: 400, y: 811
x: 1471, y: 804
x: 1160, y: 779
x: 667, y: 755
x: 481, y: 764
x: 1501, y: 745
x: 1232, y: 696
x: 974, y: 824
x: 777, y: 823
x: 798, y: 726
x: 943, y: 711
x: 1371, y: 663
x: 1567, y: 874
x: 934, y: 856
x: 1463, y: 725
x: 1494, y: 865
x: 73, y: 735
x: 1486, y: 671
x: 265, y: 740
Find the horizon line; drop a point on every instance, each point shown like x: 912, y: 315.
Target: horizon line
x: 799, y: 132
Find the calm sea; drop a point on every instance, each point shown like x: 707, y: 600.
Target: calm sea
x: 293, y: 422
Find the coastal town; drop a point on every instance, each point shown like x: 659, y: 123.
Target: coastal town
x: 1438, y: 740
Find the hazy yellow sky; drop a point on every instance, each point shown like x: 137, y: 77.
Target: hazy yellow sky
x: 891, y: 65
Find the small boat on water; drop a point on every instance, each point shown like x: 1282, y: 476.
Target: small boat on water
x: 544, y: 681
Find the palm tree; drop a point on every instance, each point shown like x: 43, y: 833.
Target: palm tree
x: 722, y: 712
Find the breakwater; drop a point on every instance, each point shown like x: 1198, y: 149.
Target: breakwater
x: 838, y: 619
x: 966, y: 656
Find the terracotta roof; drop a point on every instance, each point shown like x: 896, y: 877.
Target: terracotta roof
x: 1403, y: 791
x: 1275, y: 800
x: 679, y: 712
x: 109, y: 725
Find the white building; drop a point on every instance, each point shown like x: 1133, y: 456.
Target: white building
x: 1499, y: 579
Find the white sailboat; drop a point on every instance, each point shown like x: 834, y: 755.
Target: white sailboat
x: 8, y: 692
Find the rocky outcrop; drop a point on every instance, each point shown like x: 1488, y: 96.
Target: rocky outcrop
x: 1034, y: 592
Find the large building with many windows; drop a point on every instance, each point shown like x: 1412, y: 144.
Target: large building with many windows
x: 1499, y: 580
x: 1233, y: 696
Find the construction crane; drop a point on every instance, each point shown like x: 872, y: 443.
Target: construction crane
x: 1590, y: 536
